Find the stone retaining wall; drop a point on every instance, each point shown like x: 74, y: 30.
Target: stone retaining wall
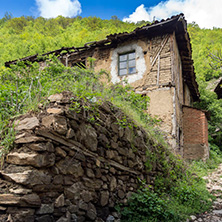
x: 67, y: 166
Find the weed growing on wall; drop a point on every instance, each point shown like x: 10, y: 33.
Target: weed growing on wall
x: 174, y: 193
x: 7, y: 137
x: 203, y: 168
x: 146, y: 205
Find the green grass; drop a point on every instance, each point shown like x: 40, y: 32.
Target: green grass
x: 202, y: 168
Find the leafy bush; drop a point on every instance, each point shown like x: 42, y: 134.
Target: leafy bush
x: 145, y: 205
x: 183, y: 198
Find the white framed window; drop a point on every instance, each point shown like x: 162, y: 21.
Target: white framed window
x: 127, y: 63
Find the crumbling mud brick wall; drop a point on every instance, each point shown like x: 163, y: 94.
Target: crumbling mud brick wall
x: 66, y: 167
x: 154, y: 76
x: 158, y: 84
x: 195, y: 128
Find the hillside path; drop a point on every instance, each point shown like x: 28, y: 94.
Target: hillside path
x: 214, y: 185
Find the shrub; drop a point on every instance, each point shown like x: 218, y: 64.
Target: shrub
x: 145, y: 205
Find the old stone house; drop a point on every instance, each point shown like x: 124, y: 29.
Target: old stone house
x: 157, y: 61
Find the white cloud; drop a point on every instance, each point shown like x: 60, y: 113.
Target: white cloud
x: 54, y: 8
x: 206, y: 13
x: 139, y: 15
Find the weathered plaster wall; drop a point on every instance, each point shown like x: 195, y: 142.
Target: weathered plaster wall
x: 108, y: 59
x: 103, y: 59
x: 159, y: 85
x: 179, y: 97
x: 140, y: 62
x: 153, y: 61
x: 161, y: 70
x: 147, y: 51
x: 187, y: 97
x: 161, y: 106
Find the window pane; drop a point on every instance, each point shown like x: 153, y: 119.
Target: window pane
x: 132, y: 55
x: 127, y: 63
x: 123, y: 65
x: 132, y: 70
x: 132, y: 63
x: 122, y: 58
x: 122, y: 72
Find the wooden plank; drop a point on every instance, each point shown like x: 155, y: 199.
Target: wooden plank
x: 158, y: 71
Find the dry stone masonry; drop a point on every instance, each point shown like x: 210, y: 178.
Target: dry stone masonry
x: 66, y: 167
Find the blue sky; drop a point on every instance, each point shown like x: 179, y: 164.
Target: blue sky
x: 206, y: 13
x: 100, y: 8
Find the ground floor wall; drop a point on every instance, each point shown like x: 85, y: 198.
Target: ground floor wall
x: 162, y: 106
x: 195, y: 151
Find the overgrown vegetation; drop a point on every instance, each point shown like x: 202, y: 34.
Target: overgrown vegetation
x: 23, y: 87
x: 206, y: 45
x: 175, y: 193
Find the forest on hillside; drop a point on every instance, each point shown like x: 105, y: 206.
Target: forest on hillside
x: 24, y: 36
x: 207, y: 56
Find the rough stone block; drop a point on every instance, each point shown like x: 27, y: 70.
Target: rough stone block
x: 104, y: 198
x: 32, y: 159
x: 60, y: 201
x: 26, y: 124
x: 45, y: 209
